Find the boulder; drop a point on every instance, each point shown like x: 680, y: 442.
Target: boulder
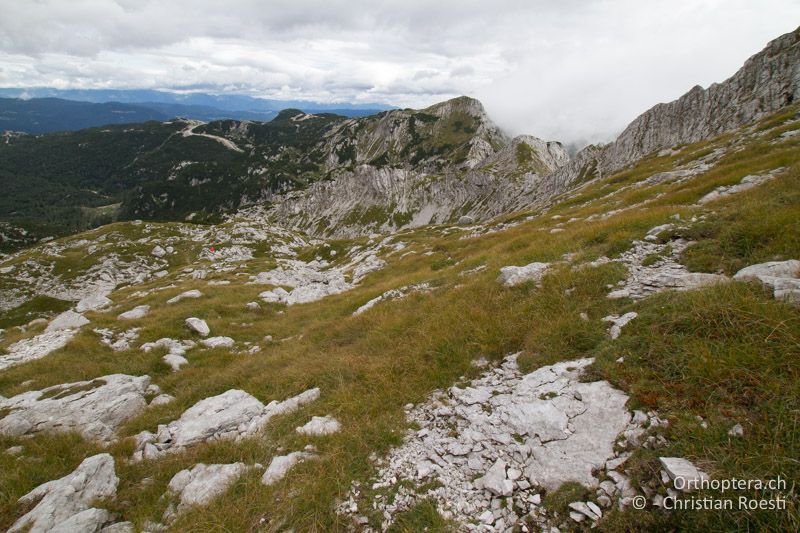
x: 158, y: 251
x: 198, y: 325
x: 218, y: 342
x: 774, y: 269
x: 66, y: 504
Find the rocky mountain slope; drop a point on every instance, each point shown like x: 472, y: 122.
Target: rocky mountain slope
x: 568, y: 366
x: 766, y: 83
x: 554, y: 369
x: 198, y: 171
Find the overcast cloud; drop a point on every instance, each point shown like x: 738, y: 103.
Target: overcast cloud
x: 567, y: 70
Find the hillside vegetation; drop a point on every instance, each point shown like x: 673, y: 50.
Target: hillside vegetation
x: 703, y: 359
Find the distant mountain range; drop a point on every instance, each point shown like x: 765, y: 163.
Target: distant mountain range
x: 46, y: 110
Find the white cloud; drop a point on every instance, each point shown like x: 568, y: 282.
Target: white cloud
x: 568, y: 70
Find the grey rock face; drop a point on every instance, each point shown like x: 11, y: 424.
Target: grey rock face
x: 685, y: 476
x: 95, y: 409
x: 506, y: 435
x: 766, y: 83
x: 619, y: 322
x: 65, y: 504
x: 201, y: 484
x: 198, y: 325
x: 140, y: 311
x: 781, y: 277
x: 182, y: 296
x: 515, y: 275
x: 233, y: 414
x: 320, y: 425
x: 280, y: 466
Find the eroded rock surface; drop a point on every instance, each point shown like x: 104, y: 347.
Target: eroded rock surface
x: 201, y: 484
x: 515, y: 275
x: 666, y: 273
x: 95, y: 409
x: 233, y: 414
x: 506, y: 435
x: 280, y: 466
x: 66, y: 504
x: 781, y: 277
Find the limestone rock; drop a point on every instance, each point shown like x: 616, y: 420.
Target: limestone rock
x: 233, y: 414
x: 140, y: 311
x: 280, y: 466
x: 198, y: 325
x: 93, y: 302
x: 320, y: 425
x: 67, y: 320
x: 194, y: 293
x: 619, y: 322
x: 495, y: 480
x: 36, y: 347
x: 175, y: 351
x: 95, y: 409
x: 515, y: 275
x: 218, y: 342
x: 684, y: 475
x: 65, y: 504
x: 201, y: 484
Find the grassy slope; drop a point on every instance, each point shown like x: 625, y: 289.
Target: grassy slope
x: 729, y: 354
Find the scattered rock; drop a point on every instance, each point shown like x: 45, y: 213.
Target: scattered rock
x: 736, y: 431
x: 393, y: 294
x: 140, y: 311
x: 218, y: 342
x: 93, y: 302
x: 320, y: 425
x: 198, y: 325
x: 233, y: 414
x: 158, y: 251
x: 515, y: 275
x: 161, y: 399
x: 203, y: 483
x: 781, y: 277
x: 666, y: 274
x: 66, y: 504
x: 684, y: 475
x: 194, y: 293
x: 619, y: 322
x: 280, y: 466
x: 495, y: 480
x: 253, y: 306
x: 118, y: 341
x: 505, y: 435
x: 67, y: 320
x: 175, y: 351
x: 747, y: 183
x: 36, y: 347
x: 95, y: 409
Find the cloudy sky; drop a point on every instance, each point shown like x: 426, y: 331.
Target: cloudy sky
x: 566, y: 70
